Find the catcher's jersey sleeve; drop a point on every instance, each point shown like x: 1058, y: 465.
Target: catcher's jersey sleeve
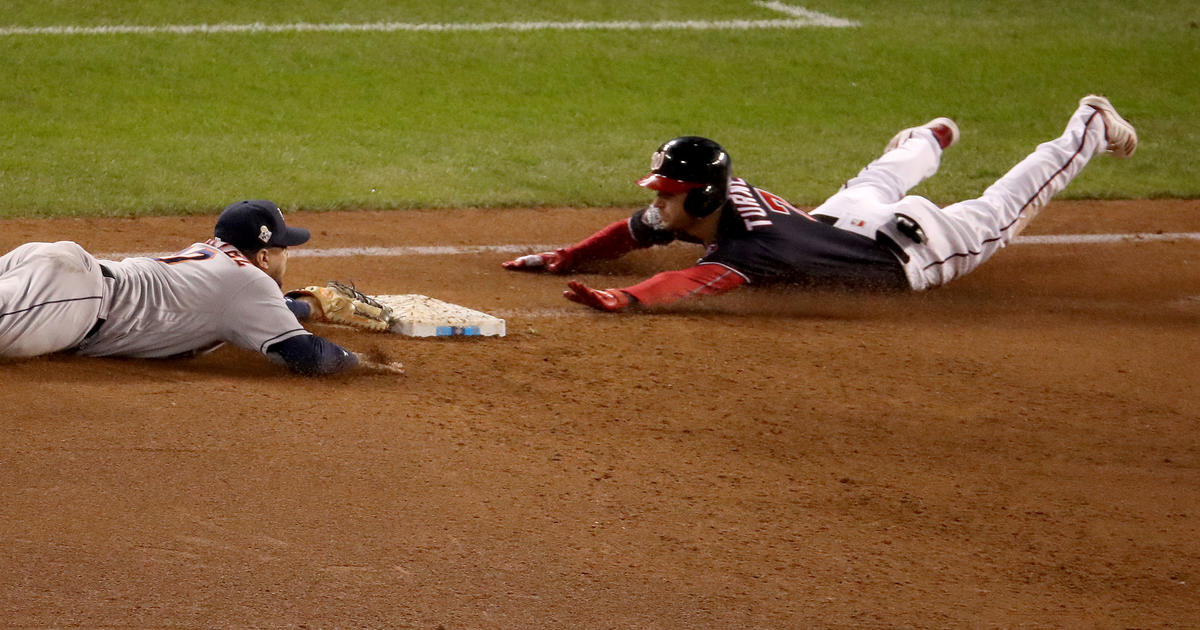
x: 189, y: 303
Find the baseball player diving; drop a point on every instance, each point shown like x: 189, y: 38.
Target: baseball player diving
x: 870, y: 234
x: 57, y: 297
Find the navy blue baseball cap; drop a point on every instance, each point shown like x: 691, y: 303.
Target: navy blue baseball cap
x: 253, y: 224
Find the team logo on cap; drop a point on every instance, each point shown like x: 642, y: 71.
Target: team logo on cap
x: 657, y: 160
x: 264, y: 234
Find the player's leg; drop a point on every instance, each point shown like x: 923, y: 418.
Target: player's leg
x: 964, y: 235
x: 912, y: 156
x: 50, y: 295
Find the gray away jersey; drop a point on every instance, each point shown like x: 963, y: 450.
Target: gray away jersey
x: 190, y: 303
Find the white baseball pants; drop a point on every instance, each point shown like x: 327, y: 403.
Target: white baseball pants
x: 961, y: 236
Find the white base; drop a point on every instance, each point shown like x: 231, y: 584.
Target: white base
x: 422, y: 316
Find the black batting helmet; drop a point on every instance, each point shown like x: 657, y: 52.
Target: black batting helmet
x: 694, y: 165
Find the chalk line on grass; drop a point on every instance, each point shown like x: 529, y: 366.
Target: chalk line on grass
x: 799, y: 17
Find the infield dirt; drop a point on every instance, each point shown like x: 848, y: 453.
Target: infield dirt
x: 1018, y: 449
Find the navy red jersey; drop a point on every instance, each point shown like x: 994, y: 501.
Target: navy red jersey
x: 766, y: 240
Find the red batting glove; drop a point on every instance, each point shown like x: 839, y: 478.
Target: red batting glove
x: 611, y: 300
x: 556, y: 261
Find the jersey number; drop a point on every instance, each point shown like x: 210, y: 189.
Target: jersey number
x: 775, y: 203
x: 202, y: 252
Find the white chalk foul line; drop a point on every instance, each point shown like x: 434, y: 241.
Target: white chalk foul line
x: 1075, y: 239
x: 800, y: 18
x: 422, y: 250
x: 403, y: 250
x: 466, y: 250
x: 817, y: 19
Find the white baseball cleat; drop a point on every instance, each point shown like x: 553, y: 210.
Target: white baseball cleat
x: 943, y: 129
x: 1122, y: 139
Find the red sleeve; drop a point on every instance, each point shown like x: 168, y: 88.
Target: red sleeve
x: 670, y: 286
x: 613, y: 241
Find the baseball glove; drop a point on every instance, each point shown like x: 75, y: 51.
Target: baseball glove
x: 341, y: 303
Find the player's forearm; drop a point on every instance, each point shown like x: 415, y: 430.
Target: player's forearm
x: 612, y: 241
x: 312, y: 355
x: 671, y: 286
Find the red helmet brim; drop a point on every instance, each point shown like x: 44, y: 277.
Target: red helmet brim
x: 654, y: 181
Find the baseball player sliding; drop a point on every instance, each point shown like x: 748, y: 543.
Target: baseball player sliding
x: 870, y: 234
x: 57, y: 297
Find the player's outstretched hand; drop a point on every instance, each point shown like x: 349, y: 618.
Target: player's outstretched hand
x: 611, y: 300
x: 341, y: 303
x: 556, y: 261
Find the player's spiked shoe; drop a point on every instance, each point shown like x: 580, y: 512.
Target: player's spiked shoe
x: 1122, y: 139
x: 943, y: 129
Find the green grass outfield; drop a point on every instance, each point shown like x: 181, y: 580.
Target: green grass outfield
x: 152, y: 123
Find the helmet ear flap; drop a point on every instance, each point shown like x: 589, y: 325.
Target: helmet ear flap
x: 701, y: 202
